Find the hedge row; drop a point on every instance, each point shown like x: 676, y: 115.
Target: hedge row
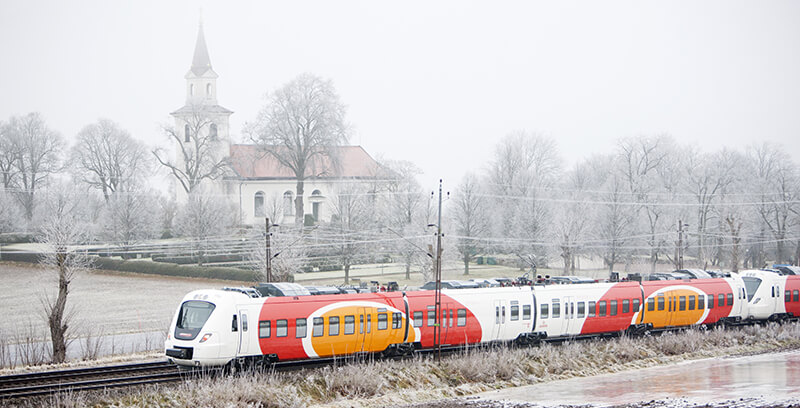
x: 16, y: 238
x: 192, y: 259
x: 154, y: 268
x: 168, y: 269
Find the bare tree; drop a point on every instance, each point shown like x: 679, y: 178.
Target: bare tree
x: 776, y: 178
x: 37, y: 151
x: 348, y: 226
x: 300, y: 126
x: 573, y: 214
x: 129, y: 218
x: 641, y: 160
x: 524, y: 167
x: 61, y: 230
x: 9, y: 213
x: 203, y: 216
x: 8, y: 156
x: 200, y: 154
x: 106, y: 157
x: 288, y: 253
x: 470, y: 218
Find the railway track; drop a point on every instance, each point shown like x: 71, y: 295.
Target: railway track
x: 87, y: 379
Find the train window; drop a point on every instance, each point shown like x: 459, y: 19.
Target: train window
x: 526, y: 312
x: 581, y: 309
x: 418, y: 319
x: 682, y: 304
x: 452, y: 320
x: 651, y: 304
x: 461, y: 315
x: 701, y: 302
x: 281, y: 328
x: 349, y: 324
x: 691, y: 302
x: 626, y: 306
x: 601, y: 308
x: 545, y: 311
x: 397, y: 320
x: 514, y: 312
x: 661, y: 303
x: 635, y: 305
x: 319, y: 327
x: 711, y: 301
x: 360, y: 324
x: 235, y: 324
x: 796, y: 295
x: 369, y: 323
x: 556, y: 308
x: 264, y: 328
x: 383, y: 321
x: 592, y: 309
x: 787, y: 296
x: 612, y: 308
x: 333, y: 326
x: 721, y: 299
x: 300, y: 328
x: 730, y: 299
x: 244, y: 321
x: 432, y: 318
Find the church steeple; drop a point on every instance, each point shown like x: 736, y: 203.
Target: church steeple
x: 201, y: 61
x: 201, y: 80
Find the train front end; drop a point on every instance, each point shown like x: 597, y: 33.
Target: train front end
x: 195, y: 337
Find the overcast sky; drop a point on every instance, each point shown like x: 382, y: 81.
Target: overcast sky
x: 436, y: 83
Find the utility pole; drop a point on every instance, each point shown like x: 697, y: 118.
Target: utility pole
x: 269, y: 251
x: 437, y: 334
x: 680, y: 243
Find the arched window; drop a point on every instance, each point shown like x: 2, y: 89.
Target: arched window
x: 258, y: 205
x: 191, y: 89
x: 288, y: 206
x: 186, y: 134
x: 213, y: 131
x: 316, y: 203
x: 208, y: 90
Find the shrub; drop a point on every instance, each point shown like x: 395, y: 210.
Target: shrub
x: 167, y: 269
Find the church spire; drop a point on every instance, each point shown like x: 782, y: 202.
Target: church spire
x: 201, y: 61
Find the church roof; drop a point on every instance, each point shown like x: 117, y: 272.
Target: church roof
x: 201, y: 62
x: 202, y: 108
x: 253, y: 163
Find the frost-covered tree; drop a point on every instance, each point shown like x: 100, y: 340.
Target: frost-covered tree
x: 524, y: 167
x: 203, y: 217
x: 470, y: 218
x: 36, y: 150
x: 200, y: 156
x: 300, y: 126
x: 63, y: 227
x: 130, y: 217
x: 108, y: 158
x: 348, y: 229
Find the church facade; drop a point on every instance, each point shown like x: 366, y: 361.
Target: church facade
x: 255, y: 182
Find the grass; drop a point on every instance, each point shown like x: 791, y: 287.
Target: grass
x: 381, y: 383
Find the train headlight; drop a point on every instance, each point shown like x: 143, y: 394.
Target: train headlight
x: 205, y: 337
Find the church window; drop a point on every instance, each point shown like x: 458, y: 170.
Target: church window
x: 213, y: 131
x: 316, y: 203
x: 186, y: 134
x: 288, y: 206
x: 258, y: 205
x: 191, y: 89
x: 208, y: 90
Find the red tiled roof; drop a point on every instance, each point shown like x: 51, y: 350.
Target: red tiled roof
x: 251, y: 162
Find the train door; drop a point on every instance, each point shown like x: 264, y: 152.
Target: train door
x: 447, y: 322
x: 499, y: 319
x: 569, y: 316
x: 672, y: 307
x: 364, y: 336
x: 244, y: 333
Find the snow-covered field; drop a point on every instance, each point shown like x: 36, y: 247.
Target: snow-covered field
x: 100, y: 302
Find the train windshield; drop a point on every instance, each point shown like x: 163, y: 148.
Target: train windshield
x: 751, y: 286
x: 193, y: 314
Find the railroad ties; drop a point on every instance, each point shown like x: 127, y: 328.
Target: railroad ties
x: 87, y: 379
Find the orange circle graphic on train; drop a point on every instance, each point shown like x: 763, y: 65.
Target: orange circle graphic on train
x: 675, y: 306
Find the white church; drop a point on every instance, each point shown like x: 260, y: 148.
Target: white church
x: 255, y: 182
